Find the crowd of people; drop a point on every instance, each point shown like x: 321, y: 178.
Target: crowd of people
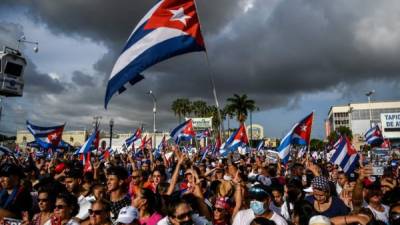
x: 190, y: 189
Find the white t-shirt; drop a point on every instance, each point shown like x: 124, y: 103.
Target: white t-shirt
x: 84, y: 206
x: 382, y: 216
x: 285, y: 211
x: 244, y: 217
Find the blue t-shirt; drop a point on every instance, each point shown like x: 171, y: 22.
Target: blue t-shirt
x: 337, y: 208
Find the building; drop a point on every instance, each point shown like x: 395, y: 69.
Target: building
x: 359, y: 117
x: 255, y: 131
x: 119, y: 139
x: 74, y: 138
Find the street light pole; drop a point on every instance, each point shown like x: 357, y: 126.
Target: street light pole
x: 368, y: 94
x: 251, y: 128
x: 111, y: 131
x: 154, y: 115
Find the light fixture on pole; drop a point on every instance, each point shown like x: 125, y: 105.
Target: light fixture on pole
x: 369, y: 94
x: 111, y: 131
x: 150, y: 92
x: 23, y: 40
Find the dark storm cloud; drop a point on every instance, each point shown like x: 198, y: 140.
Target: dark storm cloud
x: 82, y: 79
x: 273, y: 50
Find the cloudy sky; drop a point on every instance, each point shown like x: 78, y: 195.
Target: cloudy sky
x: 290, y: 56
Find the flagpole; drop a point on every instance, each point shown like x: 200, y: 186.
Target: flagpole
x: 211, y: 76
x: 309, y: 141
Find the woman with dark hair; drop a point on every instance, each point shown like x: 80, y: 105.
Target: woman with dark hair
x: 374, y: 199
x: 302, y: 212
x: 146, y: 202
x: 46, y: 202
x: 324, y: 203
x: 66, y: 208
x: 157, y: 176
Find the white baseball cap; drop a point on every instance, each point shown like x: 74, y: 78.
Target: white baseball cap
x: 319, y: 220
x: 127, y: 215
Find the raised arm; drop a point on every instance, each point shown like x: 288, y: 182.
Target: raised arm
x: 175, y: 175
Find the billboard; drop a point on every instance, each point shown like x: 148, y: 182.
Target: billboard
x: 202, y: 123
x: 390, y: 125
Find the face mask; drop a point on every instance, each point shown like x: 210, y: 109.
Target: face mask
x: 257, y: 207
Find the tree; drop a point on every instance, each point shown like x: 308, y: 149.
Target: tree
x: 200, y: 108
x: 213, y: 111
x: 181, y: 107
x: 241, y: 105
x: 344, y: 131
x: 228, y: 113
x: 316, y: 144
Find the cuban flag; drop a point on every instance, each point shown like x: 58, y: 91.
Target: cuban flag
x: 237, y: 139
x: 261, y: 145
x: 183, y: 132
x: 206, y: 150
x: 299, y: 134
x: 138, y: 134
x: 87, y: 147
x: 169, y: 29
x: 46, y: 137
x: 163, y: 144
x: 345, y: 155
x: 204, y: 134
x: 374, y: 136
x: 87, y: 165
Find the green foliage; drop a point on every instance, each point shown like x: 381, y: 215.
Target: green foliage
x: 316, y: 145
x: 344, y: 131
x: 240, y: 105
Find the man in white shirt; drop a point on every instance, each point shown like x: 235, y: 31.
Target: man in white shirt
x: 259, y: 207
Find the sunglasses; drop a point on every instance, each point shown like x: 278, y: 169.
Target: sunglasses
x: 43, y: 200
x: 184, y: 215
x: 135, y: 177
x: 60, y: 206
x: 219, y: 209
x: 95, y: 212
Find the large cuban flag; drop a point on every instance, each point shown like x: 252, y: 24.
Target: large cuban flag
x: 169, y: 29
x: 183, y: 132
x: 46, y: 137
x: 299, y: 134
x: 236, y: 140
x: 374, y: 136
x: 136, y: 136
x: 345, y: 155
x: 87, y: 147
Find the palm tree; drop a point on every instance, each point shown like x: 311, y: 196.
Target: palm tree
x: 228, y: 113
x: 240, y: 105
x: 177, y: 108
x: 186, y: 107
x: 200, y: 108
x: 212, y: 111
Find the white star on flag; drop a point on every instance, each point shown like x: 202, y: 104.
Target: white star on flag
x: 53, y: 136
x: 179, y: 15
x: 303, y: 128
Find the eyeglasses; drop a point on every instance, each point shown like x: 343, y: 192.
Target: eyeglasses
x: 95, y: 212
x: 43, y: 200
x: 184, y: 215
x: 219, y: 209
x: 60, y: 206
x: 135, y: 177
